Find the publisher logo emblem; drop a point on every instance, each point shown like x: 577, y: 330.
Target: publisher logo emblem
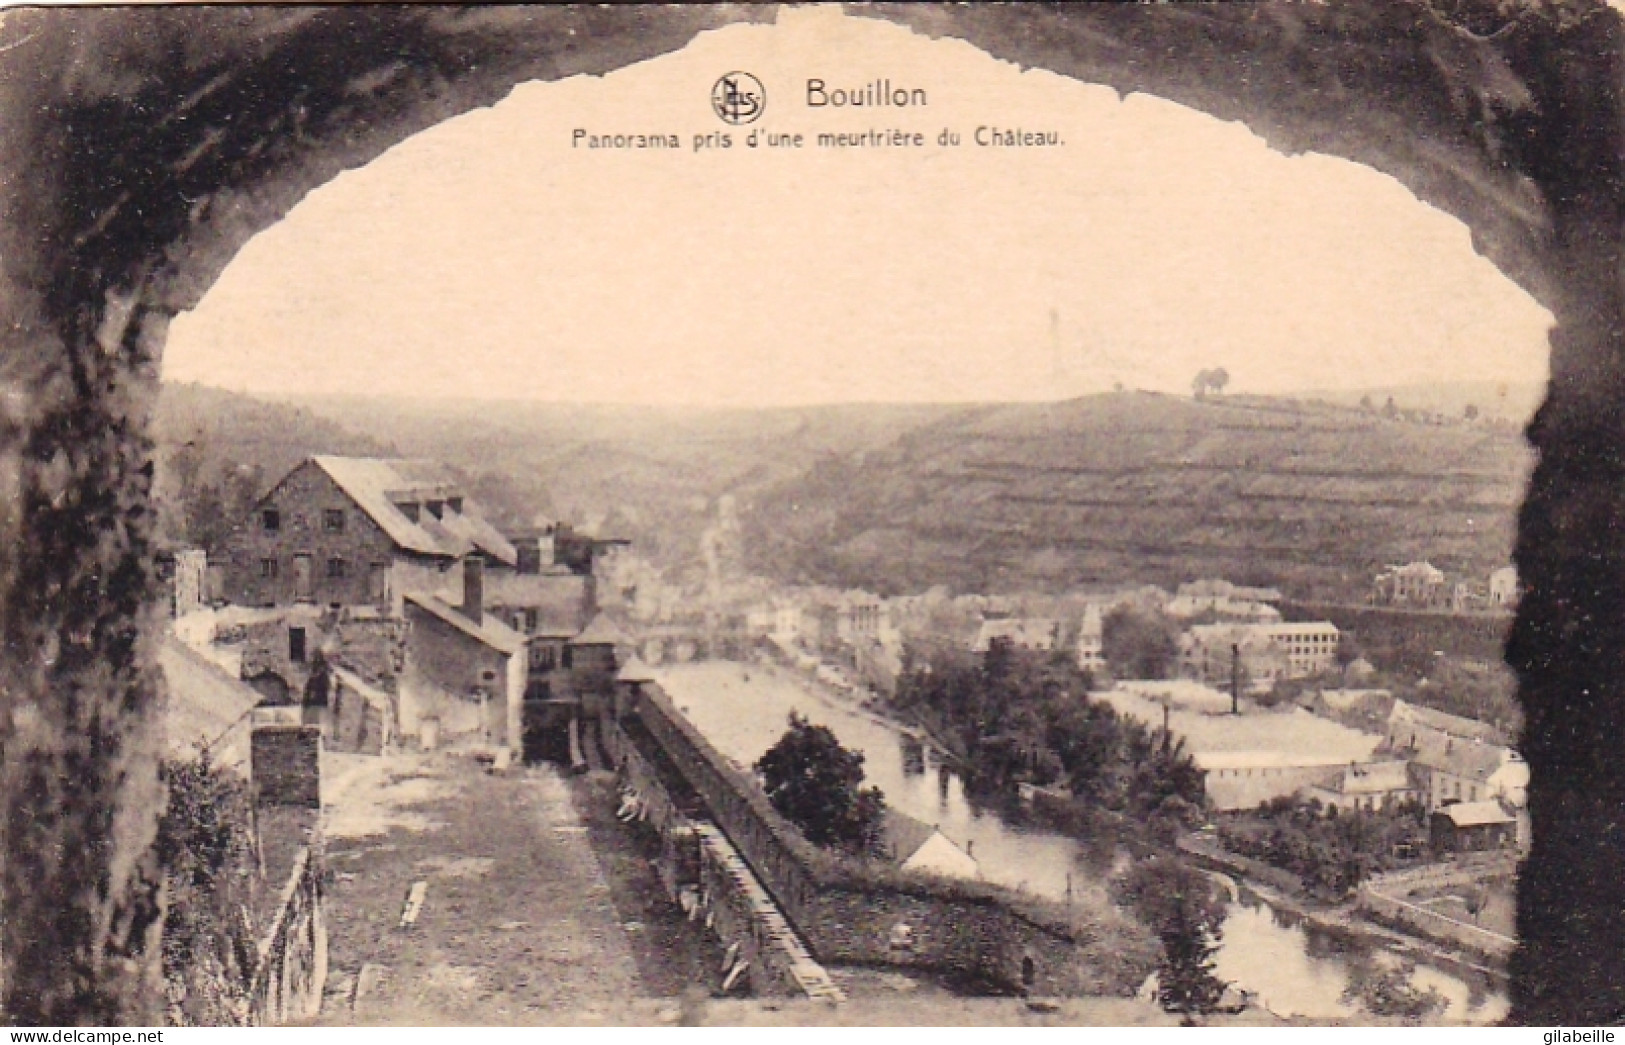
x: 738, y: 98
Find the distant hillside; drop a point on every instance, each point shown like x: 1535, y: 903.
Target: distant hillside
x: 1514, y: 402
x: 651, y: 474
x: 1144, y: 487
x: 1117, y: 488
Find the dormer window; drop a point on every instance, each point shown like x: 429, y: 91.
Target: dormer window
x: 409, y: 509
x: 270, y: 520
x: 435, y: 507
x: 455, y: 504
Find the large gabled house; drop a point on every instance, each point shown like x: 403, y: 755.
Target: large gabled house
x: 1456, y: 759
x: 352, y: 531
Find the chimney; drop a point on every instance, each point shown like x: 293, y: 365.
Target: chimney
x: 474, y: 587
x: 530, y: 554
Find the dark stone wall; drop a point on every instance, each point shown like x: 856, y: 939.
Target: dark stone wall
x: 300, y: 500
x: 285, y: 766
x: 847, y: 912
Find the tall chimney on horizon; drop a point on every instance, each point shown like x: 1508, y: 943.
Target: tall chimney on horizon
x: 474, y: 587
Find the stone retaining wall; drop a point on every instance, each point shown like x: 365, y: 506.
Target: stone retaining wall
x: 1434, y: 926
x: 290, y: 972
x: 854, y: 913
x: 743, y: 916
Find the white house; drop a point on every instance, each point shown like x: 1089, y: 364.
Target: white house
x: 914, y: 845
x: 1092, y: 640
x: 1504, y: 587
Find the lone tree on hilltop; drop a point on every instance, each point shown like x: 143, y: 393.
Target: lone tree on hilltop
x: 817, y: 784
x: 1210, y: 381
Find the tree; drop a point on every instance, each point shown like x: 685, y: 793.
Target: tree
x: 1471, y: 413
x: 1207, y: 381
x: 1366, y: 404
x: 1200, y: 382
x: 1179, y: 903
x: 1138, y: 644
x: 1382, y: 985
x: 816, y: 784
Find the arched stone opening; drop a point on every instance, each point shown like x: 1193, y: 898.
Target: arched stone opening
x: 143, y: 148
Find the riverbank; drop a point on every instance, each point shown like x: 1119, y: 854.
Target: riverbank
x: 861, y: 707
x: 1343, y: 920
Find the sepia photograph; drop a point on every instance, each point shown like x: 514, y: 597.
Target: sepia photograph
x: 805, y: 515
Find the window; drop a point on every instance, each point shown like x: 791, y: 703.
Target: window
x: 270, y: 520
x: 335, y: 568
x: 268, y: 569
x: 296, y: 645
x: 333, y: 520
x: 531, y: 620
x: 541, y: 657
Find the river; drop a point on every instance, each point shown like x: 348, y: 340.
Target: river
x: 1293, y: 969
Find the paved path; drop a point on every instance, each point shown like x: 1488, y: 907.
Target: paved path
x: 516, y: 925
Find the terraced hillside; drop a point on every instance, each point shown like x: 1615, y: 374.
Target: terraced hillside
x: 1147, y: 488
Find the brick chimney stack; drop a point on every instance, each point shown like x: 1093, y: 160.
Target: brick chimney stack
x: 473, y: 587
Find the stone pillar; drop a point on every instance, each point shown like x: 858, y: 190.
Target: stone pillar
x: 286, y: 766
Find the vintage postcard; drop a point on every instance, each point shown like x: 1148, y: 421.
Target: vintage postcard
x: 813, y: 514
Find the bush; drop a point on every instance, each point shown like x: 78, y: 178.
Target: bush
x: 1330, y: 852
x: 206, y: 851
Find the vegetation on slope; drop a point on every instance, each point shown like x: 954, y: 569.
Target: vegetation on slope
x: 1148, y: 488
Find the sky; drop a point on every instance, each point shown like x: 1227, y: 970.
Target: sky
x: 495, y: 257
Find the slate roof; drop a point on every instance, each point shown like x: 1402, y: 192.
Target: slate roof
x: 1454, y: 725
x: 378, y: 485
x: 367, y: 691
x: 902, y: 835
x: 1464, y: 758
x: 601, y: 631
x: 490, y: 631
